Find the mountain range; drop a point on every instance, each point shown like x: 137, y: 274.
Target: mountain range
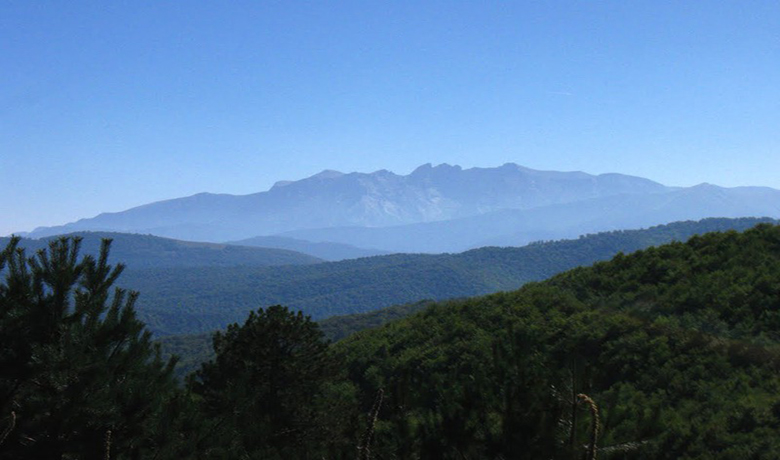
x: 433, y: 209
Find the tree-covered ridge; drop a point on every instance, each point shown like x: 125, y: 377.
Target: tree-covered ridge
x: 324, y: 250
x: 677, y: 345
x: 723, y: 284
x: 188, y: 300
x: 146, y: 251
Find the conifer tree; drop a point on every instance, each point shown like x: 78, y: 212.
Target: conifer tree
x: 78, y: 366
x: 270, y: 390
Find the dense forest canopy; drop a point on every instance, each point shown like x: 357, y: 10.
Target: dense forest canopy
x: 678, y: 345
x: 670, y: 352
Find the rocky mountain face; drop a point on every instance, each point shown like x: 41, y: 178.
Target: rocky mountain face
x: 517, y: 227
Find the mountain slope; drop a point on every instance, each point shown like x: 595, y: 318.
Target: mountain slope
x: 568, y: 220
x: 382, y: 198
x: 187, y: 300
x: 146, y: 251
x: 324, y: 250
x: 675, y: 348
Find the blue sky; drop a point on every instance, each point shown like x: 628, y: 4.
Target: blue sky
x: 109, y: 105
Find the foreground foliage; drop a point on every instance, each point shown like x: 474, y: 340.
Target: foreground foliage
x: 77, y: 366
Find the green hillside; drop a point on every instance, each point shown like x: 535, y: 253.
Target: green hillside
x: 147, y: 251
x: 194, y: 349
x: 678, y: 346
x: 200, y: 299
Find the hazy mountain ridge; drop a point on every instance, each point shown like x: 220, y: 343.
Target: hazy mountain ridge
x: 147, y: 251
x: 381, y: 198
x: 324, y: 250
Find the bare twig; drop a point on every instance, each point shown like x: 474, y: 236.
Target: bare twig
x: 364, y: 449
x: 9, y: 428
x: 594, y: 415
x: 108, y: 445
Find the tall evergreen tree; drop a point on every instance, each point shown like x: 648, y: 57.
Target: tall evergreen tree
x: 80, y: 371
x: 273, y: 390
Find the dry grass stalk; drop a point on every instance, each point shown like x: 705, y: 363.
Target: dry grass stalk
x: 594, y: 414
x: 108, y: 445
x: 364, y: 450
x: 9, y: 428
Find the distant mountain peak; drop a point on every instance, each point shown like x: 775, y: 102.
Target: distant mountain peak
x: 422, y: 168
x: 383, y: 172
x: 428, y: 168
x: 282, y: 183
x: 327, y: 174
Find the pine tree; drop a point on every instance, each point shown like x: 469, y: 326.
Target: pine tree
x: 79, y: 368
x: 266, y: 390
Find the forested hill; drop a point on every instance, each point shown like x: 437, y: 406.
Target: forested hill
x: 675, y: 348
x: 323, y: 250
x: 147, y: 251
x: 188, y: 300
x: 195, y: 349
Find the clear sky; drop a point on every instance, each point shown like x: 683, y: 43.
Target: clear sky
x: 109, y: 105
